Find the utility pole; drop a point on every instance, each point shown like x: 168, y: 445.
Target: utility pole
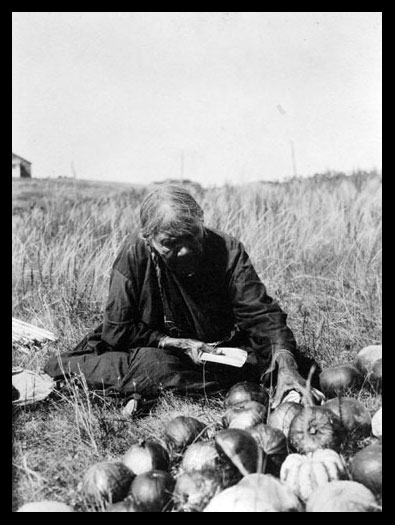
x: 282, y: 112
x: 293, y: 157
x: 182, y: 165
x: 73, y: 170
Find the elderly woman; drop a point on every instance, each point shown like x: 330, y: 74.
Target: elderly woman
x: 176, y: 286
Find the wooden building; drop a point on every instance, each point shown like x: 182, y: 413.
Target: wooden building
x: 21, y: 167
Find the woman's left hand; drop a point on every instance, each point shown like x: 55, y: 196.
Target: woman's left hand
x: 289, y: 379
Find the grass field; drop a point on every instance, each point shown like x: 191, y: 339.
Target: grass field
x: 316, y: 244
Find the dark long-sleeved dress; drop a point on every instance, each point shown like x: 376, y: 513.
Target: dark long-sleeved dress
x: 224, y: 299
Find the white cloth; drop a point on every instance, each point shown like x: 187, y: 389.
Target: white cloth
x: 292, y: 397
x: 31, y: 386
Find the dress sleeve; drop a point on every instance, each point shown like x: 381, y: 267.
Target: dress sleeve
x: 122, y: 327
x: 255, y: 312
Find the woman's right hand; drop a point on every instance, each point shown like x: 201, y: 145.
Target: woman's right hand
x: 192, y: 347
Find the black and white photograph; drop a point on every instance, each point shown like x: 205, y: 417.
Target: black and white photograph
x: 197, y: 261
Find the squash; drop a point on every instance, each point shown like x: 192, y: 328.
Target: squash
x: 353, y: 416
x: 146, y: 455
x: 181, y: 431
x: 377, y: 423
x: 244, y: 415
x: 45, y: 506
x: 340, y: 379
x: 375, y: 377
x: 367, y: 357
x: 256, y: 493
x: 342, y: 496
x: 239, y: 499
x: 152, y: 491
x: 126, y: 505
x: 195, y: 488
x: 201, y: 455
x: 282, y: 416
x: 241, y: 449
x: 367, y: 467
x: 106, y: 482
x: 315, y: 427
x: 246, y: 391
x: 274, y: 445
x: 305, y: 473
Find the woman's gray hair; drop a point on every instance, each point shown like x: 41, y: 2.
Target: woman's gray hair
x: 170, y: 208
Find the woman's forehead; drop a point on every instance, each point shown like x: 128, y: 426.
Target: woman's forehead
x: 179, y: 228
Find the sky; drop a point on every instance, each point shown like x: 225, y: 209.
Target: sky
x: 215, y: 97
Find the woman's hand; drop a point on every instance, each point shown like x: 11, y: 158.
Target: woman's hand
x: 194, y: 350
x: 288, y: 378
x: 192, y: 347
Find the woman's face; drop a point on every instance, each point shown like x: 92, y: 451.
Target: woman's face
x: 181, y: 253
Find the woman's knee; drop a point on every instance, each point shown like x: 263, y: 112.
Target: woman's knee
x: 154, y: 356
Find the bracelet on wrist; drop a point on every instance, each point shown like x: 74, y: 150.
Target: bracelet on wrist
x: 285, y: 359
x: 161, y: 344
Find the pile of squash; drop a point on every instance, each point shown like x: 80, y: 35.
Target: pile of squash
x: 254, y: 459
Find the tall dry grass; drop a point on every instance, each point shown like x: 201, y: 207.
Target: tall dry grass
x: 316, y: 244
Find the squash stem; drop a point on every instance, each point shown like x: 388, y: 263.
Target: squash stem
x: 237, y: 463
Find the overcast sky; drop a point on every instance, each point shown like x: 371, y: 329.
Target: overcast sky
x: 211, y: 96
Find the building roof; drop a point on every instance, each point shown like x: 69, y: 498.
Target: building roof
x: 17, y: 157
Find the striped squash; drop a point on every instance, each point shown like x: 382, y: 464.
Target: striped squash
x: 305, y: 473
